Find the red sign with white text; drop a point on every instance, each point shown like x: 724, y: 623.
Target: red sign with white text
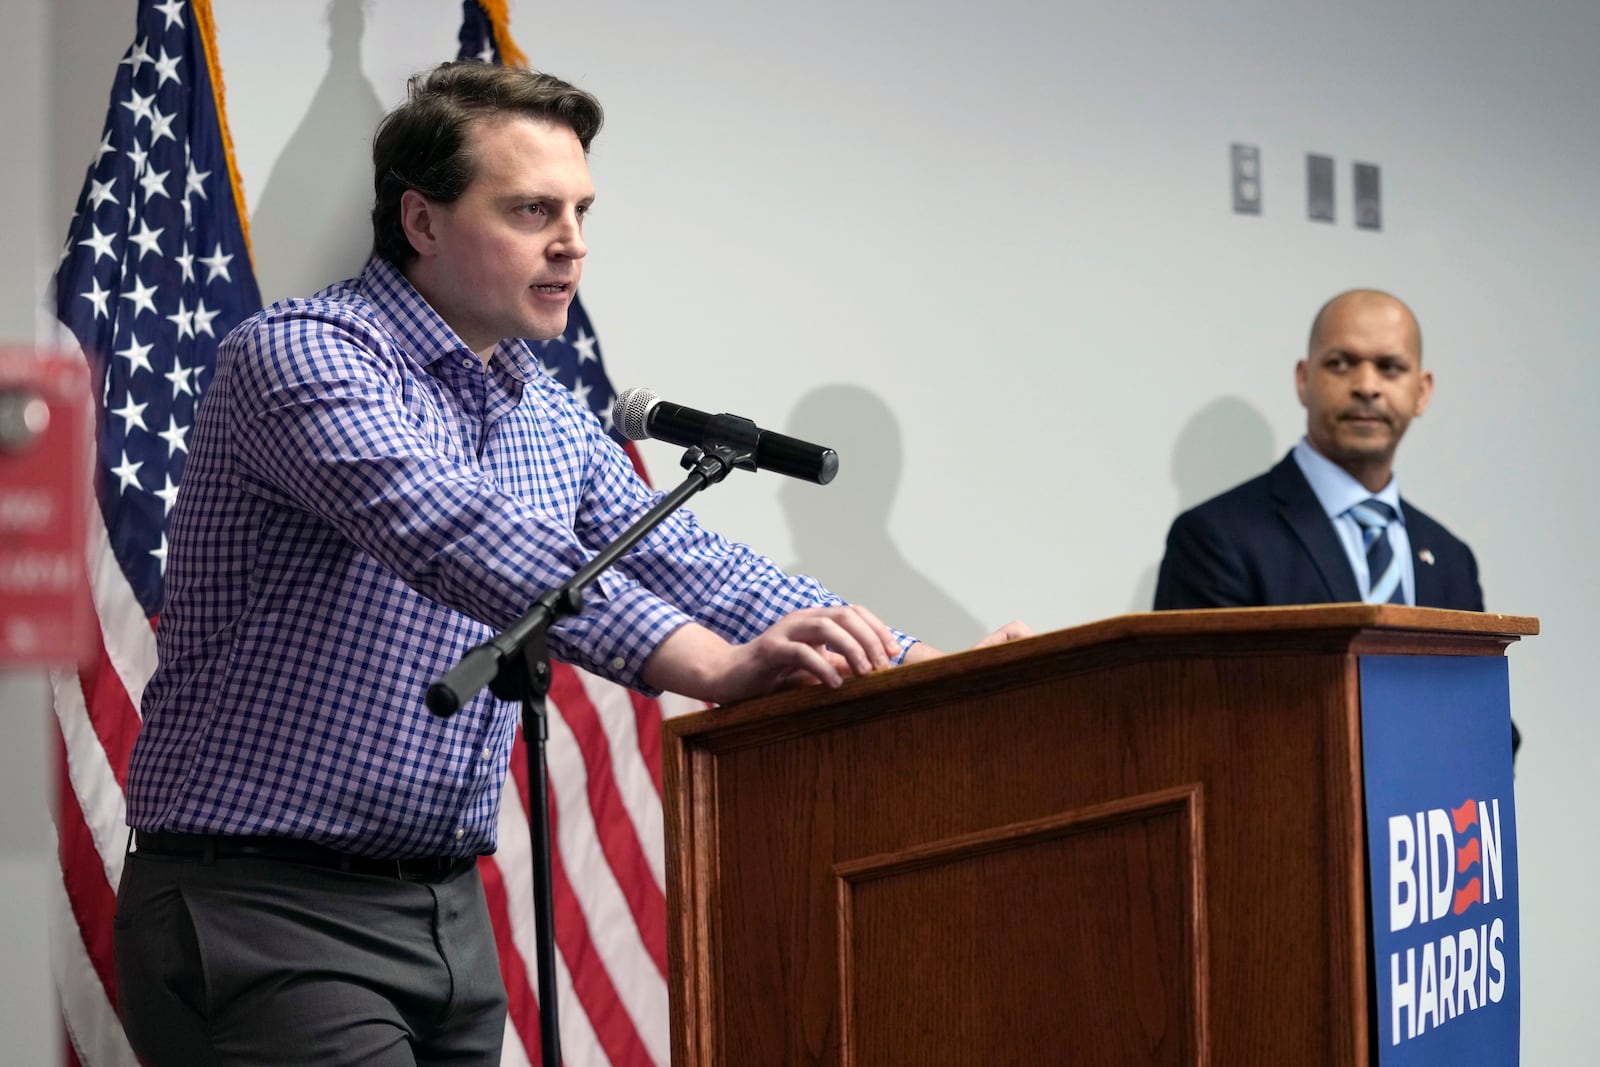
x: 46, y: 434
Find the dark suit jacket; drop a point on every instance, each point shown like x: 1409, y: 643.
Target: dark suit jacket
x: 1268, y: 542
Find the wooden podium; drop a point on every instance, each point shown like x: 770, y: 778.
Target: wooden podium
x: 1134, y: 842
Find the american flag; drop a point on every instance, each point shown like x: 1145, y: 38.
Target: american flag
x: 155, y: 271
x: 604, y: 760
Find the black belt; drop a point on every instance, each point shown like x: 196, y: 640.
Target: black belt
x: 209, y: 847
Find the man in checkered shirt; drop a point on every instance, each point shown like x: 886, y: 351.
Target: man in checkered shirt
x: 380, y: 478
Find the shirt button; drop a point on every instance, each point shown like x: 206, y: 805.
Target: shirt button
x: 488, y: 753
x: 461, y: 831
x: 465, y: 362
x: 617, y: 663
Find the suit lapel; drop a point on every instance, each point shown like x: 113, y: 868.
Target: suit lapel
x: 1301, y: 510
x: 1428, y: 576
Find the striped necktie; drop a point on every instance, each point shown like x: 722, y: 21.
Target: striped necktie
x: 1383, y: 567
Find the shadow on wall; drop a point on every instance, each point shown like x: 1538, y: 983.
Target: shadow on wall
x: 313, y: 224
x: 841, y: 530
x: 1223, y: 444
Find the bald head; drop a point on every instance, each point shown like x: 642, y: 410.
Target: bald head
x: 1371, y: 308
x: 1362, y: 382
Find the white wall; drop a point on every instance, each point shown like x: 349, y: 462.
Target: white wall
x: 1002, y: 234
x: 27, y: 860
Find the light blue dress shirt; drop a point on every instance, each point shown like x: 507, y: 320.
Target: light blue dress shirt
x: 1338, y: 492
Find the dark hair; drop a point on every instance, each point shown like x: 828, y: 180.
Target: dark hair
x: 423, y: 144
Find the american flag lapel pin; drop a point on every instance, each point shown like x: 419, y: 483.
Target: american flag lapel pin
x: 1426, y: 556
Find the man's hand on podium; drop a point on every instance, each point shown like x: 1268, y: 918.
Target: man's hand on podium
x: 1011, y: 631
x: 812, y: 645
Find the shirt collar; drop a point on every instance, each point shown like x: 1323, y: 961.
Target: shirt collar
x: 1336, y: 490
x: 422, y: 334
x: 515, y: 355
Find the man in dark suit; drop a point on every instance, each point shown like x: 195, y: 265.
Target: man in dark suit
x: 1289, y: 536
x: 1269, y: 541
x: 1328, y: 524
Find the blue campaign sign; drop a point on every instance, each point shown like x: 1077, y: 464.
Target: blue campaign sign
x: 1442, y: 852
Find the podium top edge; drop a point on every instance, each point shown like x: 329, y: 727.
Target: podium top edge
x: 1322, y: 625
x: 1326, y: 616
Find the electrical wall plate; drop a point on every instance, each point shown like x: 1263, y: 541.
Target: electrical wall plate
x: 1246, y: 160
x: 1319, y: 188
x: 1369, y: 197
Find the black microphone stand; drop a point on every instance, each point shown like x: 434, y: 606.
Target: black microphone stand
x: 515, y: 665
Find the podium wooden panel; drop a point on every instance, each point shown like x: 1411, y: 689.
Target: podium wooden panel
x: 1134, y: 842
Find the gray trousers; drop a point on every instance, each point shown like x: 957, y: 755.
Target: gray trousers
x: 257, y: 961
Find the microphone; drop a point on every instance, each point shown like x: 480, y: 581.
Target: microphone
x: 640, y: 413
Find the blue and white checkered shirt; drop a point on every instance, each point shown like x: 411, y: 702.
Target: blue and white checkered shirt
x: 363, y: 502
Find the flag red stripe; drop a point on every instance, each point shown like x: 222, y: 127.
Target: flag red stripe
x: 647, y: 724
x: 521, y: 1002
x: 113, y: 716
x: 92, y: 899
x: 618, y: 838
x: 591, y: 983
